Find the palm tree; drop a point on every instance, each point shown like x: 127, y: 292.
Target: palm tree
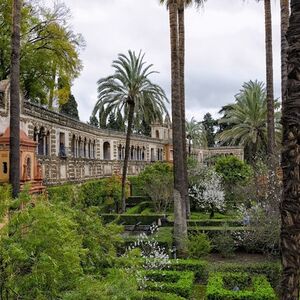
x: 195, y: 134
x: 290, y: 163
x: 180, y: 224
x: 14, y: 154
x: 130, y: 92
x: 247, y: 119
x: 285, y: 11
x: 180, y: 32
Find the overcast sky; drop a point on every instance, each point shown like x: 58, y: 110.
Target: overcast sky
x: 224, y: 47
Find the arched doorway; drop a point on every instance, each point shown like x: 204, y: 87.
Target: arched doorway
x: 106, y: 151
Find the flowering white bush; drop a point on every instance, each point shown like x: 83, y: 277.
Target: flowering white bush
x: 208, y: 193
x: 155, y: 257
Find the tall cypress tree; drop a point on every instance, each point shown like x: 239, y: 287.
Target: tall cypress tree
x: 70, y: 108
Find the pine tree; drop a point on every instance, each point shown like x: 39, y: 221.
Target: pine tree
x: 70, y: 108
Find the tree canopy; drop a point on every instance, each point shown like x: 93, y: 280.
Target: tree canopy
x: 49, y: 51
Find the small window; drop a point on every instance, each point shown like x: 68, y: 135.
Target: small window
x: 4, y: 167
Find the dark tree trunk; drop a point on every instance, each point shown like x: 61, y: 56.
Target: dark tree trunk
x: 272, y: 161
x: 14, y: 154
x: 284, y: 4
x: 127, y: 147
x: 180, y: 231
x: 181, y: 51
x: 290, y: 205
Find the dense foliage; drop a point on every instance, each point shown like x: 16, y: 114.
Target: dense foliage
x: 235, y: 286
x: 48, y: 249
x: 157, y: 183
x: 49, y: 51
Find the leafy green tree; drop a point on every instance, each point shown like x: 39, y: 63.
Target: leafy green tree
x: 40, y: 255
x: 130, y: 92
x: 234, y: 172
x: 157, y: 183
x: 70, y: 108
x: 49, y: 51
x: 195, y: 134
x: 247, y: 120
x: 93, y: 121
x: 209, y: 123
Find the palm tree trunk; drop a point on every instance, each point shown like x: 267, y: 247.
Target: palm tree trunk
x: 127, y: 147
x: 270, y: 103
x: 290, y: 206
x: 180, y: 232
x: 181, y: 51
x: 14, y: 153
x: 284, y: 4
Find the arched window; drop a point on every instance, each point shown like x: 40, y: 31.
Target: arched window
x: 28, y: 168
x: 41, y: 141
x: 106, y: 151
x: 79, y: 147
x: 36, y: 138
x: 143, y: 153
x: 90, y: 149
x: 132, y: 153
x: 47, y: 143
x: 157, y: 134
x: 120, y: 152
x: 73, y: 145
x: 123, y: 152
x: 152, y: 155
x: 84, y: 148
x: 138, y: 154
x: 94, y: 150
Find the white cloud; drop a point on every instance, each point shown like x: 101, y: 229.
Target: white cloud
x: 224, y: 47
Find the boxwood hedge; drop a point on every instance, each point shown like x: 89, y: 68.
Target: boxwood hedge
x: 238, y: 286
x: 155, y: 295
x: 175, y: 282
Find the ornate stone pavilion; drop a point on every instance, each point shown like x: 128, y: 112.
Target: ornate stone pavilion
x: 71, y: 151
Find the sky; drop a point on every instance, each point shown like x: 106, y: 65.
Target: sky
x: 225, y: 47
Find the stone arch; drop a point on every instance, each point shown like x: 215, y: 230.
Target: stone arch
x: 106, y: 150
x: 73, y: 146
x: 157, y: 134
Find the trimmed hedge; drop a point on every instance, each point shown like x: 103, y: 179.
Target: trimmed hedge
x: 60, y: 193
x: 215, y: 223
x: 271, y: 270
x: 131, y: 219
x: 175, y: 282
x: 248, y: 287
x: 155, y: 295
x: 198, y: 267
x: 137, y: 209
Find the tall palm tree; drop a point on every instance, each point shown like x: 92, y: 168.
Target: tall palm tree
x: 195, y: 134
x: 285, y: 11
x: 290, y: 209
x: 247, y: 119
x: 180, y: 31
x: 182, y: 4
x: 129, y: 91
x: 180, y: 224
x: 14, y: 154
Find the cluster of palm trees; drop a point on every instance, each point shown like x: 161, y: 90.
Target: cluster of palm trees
x: 244, y: 122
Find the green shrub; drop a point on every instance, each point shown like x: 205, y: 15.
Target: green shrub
x: 224, y: 244
x: 271, y: 270
x: 61, y: 193
x: 198, y: 267
x: 136, y: 186
x: 155, y: 295
x: 157, y: 182
x: 198, y: 245
x: 179, y: 283
x: 138, y: 208
x: 131, y: 219
x: 236, y: 286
